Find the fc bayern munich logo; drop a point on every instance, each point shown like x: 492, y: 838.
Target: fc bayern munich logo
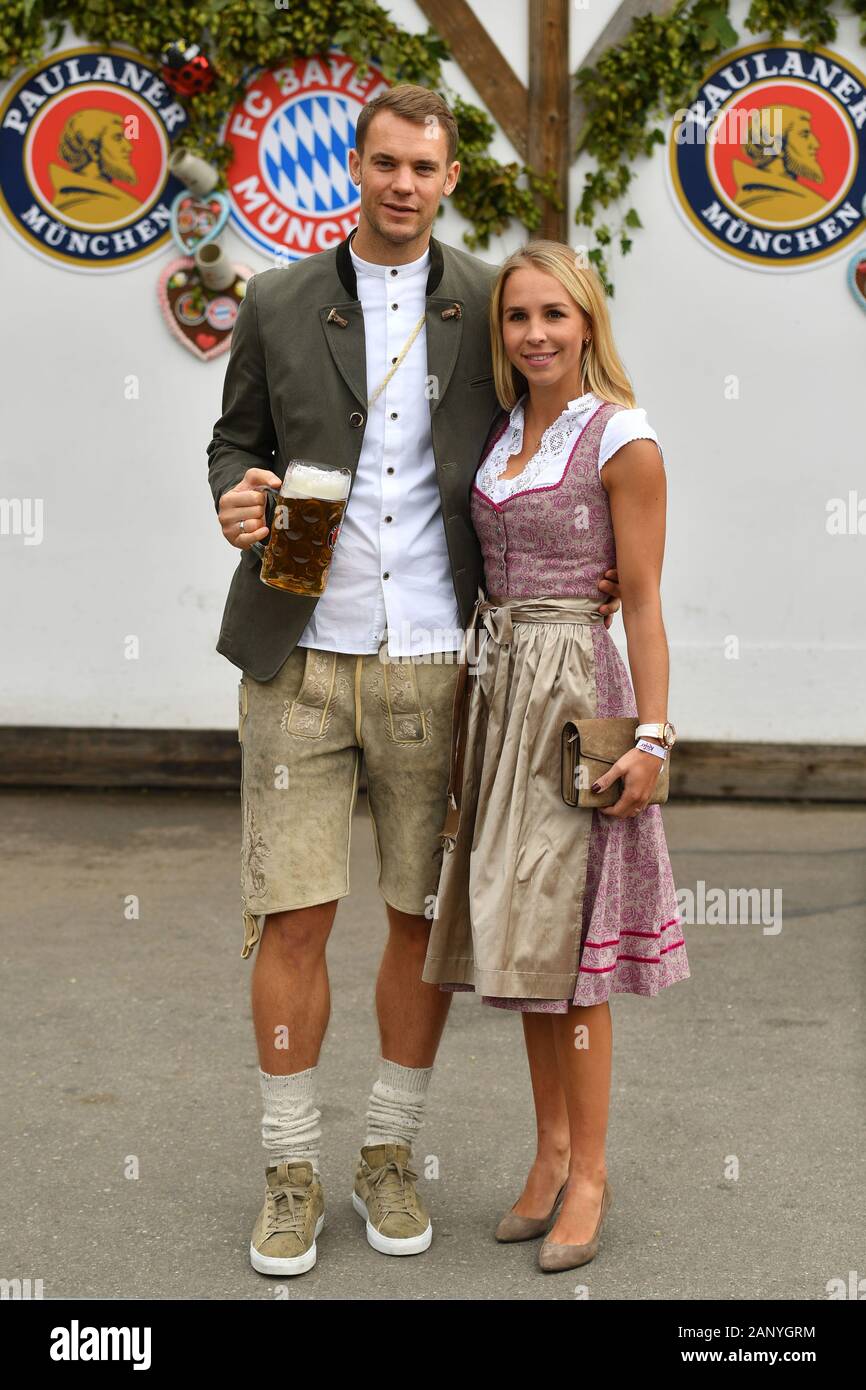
x: 84, y: 145
x: 291, y: 133
x: 767, y: 164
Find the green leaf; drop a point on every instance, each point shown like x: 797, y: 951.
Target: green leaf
x: 723, y: 27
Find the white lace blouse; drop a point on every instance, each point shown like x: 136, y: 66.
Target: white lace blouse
x: 548, y: 464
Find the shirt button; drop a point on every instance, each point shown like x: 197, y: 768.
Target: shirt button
x: 393, y: 272
x: 393, y: 415
x: 395, y: 306
x: 393, y: 359
x: 386, y: 575
x: 389, y: 518
x: 390, y: 470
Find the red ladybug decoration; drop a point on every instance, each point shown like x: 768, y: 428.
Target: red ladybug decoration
x: 186, y: 69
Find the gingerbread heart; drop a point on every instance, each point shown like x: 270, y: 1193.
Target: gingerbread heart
x: 200, y: 318
x: 197, y: 221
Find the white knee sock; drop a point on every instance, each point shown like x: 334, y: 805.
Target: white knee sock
x: 396, y: 1105
x: 290, y: 1123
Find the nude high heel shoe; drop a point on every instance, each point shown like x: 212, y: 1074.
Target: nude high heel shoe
x: 513, y: 1227
x: 553, y: 1257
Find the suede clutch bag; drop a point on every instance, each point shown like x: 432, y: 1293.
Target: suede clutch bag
x: 590, y: 747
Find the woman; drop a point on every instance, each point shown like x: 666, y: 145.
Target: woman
x: 544, y: 907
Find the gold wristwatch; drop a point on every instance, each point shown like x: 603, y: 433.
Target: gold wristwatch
x: 665, y: 733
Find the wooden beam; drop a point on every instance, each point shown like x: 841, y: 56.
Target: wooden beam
x: 209, y: 760
x: 549, y: 85
x: 789, y: 771
x: 491, y: 75
x: 613, y: 32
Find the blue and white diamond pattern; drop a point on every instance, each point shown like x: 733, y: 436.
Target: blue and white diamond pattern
x: 304, y: 154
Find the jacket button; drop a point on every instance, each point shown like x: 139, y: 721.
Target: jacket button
x: 356, y: 419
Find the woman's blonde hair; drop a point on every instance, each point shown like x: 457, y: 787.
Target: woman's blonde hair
x: 602, y: 371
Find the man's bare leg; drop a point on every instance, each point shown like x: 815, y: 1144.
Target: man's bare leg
x: 411, y: 1012
x: 291, y: 997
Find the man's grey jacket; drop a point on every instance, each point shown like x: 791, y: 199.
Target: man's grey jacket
x: 296, y: 387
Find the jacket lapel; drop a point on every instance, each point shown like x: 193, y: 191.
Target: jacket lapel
x: 347, y: 345
x: 444, y: 336
x: 346, y: 341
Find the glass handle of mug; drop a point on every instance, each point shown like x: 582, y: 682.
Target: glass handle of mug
x: 260, y: 546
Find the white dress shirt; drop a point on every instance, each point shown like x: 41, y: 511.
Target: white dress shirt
x: 391, y: 575
x: 549, y: 462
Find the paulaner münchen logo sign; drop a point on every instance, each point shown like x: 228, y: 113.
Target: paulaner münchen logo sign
x: 767, y: 163
x: 85, y: 139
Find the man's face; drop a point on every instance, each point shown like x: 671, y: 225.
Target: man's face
x: 801, y: 150
x: 403, y: 174
x: 116, y: 152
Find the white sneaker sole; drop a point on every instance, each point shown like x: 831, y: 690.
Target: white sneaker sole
x: 296, y: 1264
x: 392, y: 1245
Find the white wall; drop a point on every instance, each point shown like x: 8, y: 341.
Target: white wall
x: 131, y: 543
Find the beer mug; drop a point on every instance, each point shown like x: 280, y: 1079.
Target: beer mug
x: 304, y: 529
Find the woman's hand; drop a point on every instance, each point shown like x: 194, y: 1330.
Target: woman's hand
x: 639, y: 772
x: 609, y: 584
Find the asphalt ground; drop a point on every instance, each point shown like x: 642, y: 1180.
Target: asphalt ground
x: 737, y: 1120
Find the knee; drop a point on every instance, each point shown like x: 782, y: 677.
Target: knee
x: 409, y: 932
x: 300, y: 932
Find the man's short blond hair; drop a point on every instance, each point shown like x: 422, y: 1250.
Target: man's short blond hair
x: 416, y: 104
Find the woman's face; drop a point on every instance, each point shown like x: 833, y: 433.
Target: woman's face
x: 542, y: 328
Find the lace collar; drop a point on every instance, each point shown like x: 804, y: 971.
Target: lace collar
x: 579, y: 406
x: 552, y: 443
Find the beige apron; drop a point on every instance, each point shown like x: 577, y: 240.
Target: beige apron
x: 509, y: 908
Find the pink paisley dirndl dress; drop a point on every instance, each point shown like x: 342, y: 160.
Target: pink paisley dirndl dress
x: 542, y: 905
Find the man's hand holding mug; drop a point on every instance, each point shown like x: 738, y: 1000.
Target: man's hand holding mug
x: 246, y: 503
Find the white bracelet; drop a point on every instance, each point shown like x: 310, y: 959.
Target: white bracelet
x: 646, y: 747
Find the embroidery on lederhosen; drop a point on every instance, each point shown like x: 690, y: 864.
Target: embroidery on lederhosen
x: 405, y: 721
x: 309, y: 714
x: 255, y: 850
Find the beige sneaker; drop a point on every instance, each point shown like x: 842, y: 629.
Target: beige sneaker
x: 284, y: 1236
x: 397, y: 1222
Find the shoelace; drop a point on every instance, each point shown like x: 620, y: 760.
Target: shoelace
x: 389, y: 1180
x: 286, y: 1209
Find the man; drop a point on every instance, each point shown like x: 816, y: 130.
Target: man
x: 371, y: 665
x: 770, y: 187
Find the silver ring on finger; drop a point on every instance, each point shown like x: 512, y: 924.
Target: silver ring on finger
x: 241, y: 525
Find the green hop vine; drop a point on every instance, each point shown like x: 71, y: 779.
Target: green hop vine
x: 655, y: 71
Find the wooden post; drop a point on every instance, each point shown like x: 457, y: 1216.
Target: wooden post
x: 549, y: 105
x: 491, y: 75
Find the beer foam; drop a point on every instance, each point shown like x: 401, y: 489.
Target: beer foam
x: 304, y: 481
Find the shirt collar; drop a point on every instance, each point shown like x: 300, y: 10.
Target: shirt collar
x: 391, y: 272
